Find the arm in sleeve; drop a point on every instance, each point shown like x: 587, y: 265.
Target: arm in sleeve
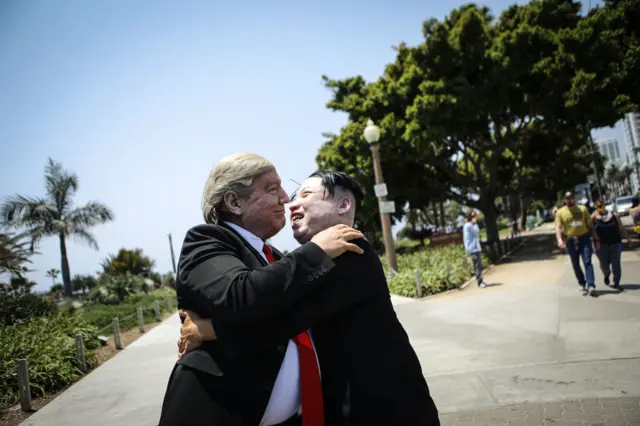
x: 215, y: 283
x: 354, y: 279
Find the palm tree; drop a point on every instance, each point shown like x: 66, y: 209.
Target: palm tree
x: 15, y: 252
x: 625, y: 177
x: 53, y: 274
x: 131, y: 261
x: 613, y: 178
x: 55, y: 215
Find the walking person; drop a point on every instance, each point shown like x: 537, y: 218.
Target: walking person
x: 634, y: 213
x: 610, y: 231
x: 575, y: 223
x: 515, y: 230
x: 471, y: 239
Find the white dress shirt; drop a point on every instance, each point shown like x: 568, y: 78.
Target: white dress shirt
x: 284, y: 402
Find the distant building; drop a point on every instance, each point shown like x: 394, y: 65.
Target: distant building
x: 611, y: 150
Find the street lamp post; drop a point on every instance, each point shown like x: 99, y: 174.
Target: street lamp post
x: 372, y: 136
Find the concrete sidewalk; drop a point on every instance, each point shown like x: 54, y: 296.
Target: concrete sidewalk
x: 531, y: 338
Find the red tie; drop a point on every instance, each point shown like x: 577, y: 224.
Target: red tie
x: 311, y: 387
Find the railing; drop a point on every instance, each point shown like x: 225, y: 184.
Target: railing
x: 22, y: 367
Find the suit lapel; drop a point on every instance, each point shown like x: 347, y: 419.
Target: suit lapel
x: 245, y: 243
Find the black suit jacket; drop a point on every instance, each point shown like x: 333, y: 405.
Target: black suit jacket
x: 220, y: 276
x: 369, y: 368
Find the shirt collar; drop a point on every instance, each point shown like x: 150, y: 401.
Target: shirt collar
x: 253, y: 240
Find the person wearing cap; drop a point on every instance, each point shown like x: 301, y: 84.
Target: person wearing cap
x: 471, y: 239
x: 610, y: 231
x: 574, y: 221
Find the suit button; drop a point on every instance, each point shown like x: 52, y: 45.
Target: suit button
x: 281, y: 348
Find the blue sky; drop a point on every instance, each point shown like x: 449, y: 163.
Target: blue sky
x: 141, y: 98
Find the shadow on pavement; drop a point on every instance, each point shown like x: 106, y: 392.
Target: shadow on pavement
x: 535, y: 249
x: 630, y: 286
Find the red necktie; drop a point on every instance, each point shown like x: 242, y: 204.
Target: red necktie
x: 310, y: 386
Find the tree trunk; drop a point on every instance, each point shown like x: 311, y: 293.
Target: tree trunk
x: 593, y: 159
x: 490, y: 222
x: 434, y: 209
x: 442, y: 217
x: 514, y: 206
x: 66, y: 275
x: 525, y: 202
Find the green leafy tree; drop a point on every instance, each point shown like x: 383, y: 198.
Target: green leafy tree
x: 169, y: 279
x: 17, y: 286
x: 56, y: 290
x: 83, y: 283
x: 133, y: 262
x: 55, y: 215
x: 457, y: 107
x: 551, y: 159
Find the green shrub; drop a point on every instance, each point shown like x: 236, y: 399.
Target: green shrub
x: 49, y: 345
x: 21, y: 308
x: 102, y: 315
x: 441, y: 269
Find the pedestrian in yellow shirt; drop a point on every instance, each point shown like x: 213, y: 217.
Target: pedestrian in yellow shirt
x: 574, y: 221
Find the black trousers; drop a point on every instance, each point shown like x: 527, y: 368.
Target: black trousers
x: 190, y: 401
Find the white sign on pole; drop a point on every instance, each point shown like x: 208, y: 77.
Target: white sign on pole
x: 387, y: 207
x: 381, y: 190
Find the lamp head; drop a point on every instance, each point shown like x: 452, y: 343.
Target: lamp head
x: 371, y: 133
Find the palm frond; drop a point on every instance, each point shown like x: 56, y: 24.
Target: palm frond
x: 86, y: 237
x: 15, y: 252
x: 93, y: 213
x: 61, y: 185
x: 21, y: 211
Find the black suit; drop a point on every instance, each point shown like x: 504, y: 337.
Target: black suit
x: 369, y: 369
x: 220, y: 276
x: 364, y: 352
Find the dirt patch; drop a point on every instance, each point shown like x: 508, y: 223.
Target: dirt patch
x: 13, y: 416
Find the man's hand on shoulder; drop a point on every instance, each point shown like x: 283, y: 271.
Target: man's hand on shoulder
x: 335, y: 241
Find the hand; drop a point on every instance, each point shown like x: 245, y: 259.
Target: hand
x: 596, y: 243
x: 629, y: 242
x: 561, y: 244
x: 193, y: 332
x: 335, y: 240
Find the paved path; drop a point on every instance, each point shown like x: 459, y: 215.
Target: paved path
x: 585, y: 412
x: 532, y: 338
